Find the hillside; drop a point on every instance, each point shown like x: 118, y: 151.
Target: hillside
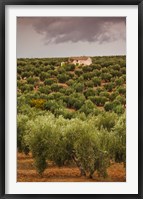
x: 67, y: 89
x: 73, y: 117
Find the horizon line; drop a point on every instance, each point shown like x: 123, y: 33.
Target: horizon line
x: 70, y: 56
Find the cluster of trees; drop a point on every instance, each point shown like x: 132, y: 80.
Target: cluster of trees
x: 88, y: 142
x: 103, y: 83
x: 72, y: 114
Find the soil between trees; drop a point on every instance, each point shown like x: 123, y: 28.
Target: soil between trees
x: 27, y: 173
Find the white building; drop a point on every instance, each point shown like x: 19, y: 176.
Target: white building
x: 81, y: 60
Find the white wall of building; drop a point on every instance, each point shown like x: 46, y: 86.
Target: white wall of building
x: 84, y: 62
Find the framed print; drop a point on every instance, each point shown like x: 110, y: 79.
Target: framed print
x: 71, y: 99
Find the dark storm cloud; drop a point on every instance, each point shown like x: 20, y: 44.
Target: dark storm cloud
x: 75, y: 29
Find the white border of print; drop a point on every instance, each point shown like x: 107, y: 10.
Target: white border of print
x: 128, y: 187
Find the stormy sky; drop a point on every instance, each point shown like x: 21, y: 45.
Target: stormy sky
x: 70, y: 36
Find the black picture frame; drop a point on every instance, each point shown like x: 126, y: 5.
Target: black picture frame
x: 3, y: 3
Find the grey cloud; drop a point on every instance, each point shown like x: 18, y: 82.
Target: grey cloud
x: 75, y: 29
